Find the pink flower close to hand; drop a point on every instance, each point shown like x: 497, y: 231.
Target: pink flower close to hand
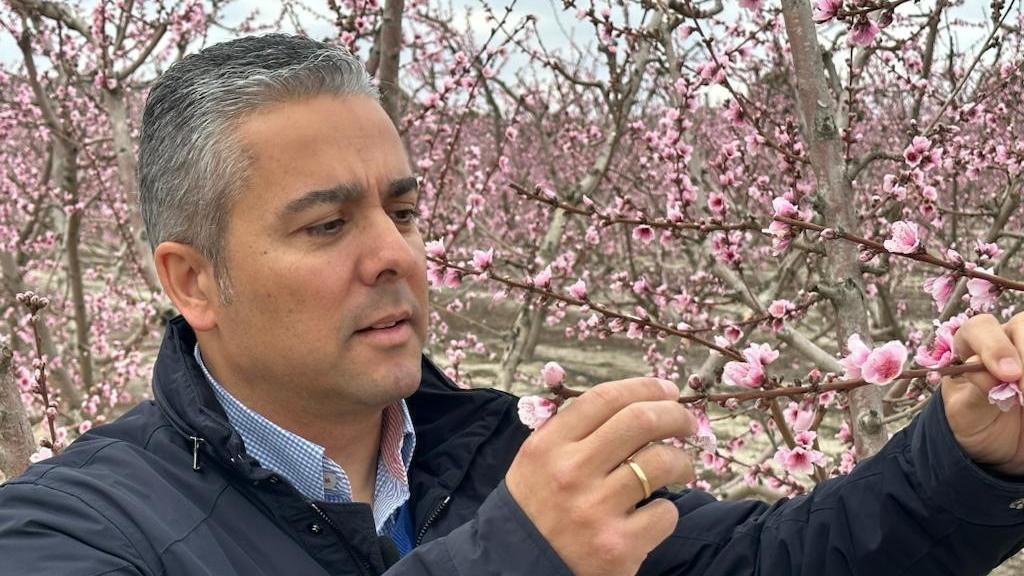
x: 798, y: 417
x: 553, y: 374
x: 905, y: 238
x: 941, y: 353
x: 705, y: 437
x: 941, y: 288
x: 983, y: 293
x: 1006, y: 395
x: 535, y: 411
x: 825, y: 10
x: 863, y: 32
x: 799, y: 460
x: 884, y: 364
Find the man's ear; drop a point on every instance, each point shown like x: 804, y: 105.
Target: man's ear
x: 189, y: 281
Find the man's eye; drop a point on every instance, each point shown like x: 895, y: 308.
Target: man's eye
x: 326, y: 229
x: 407, y: 216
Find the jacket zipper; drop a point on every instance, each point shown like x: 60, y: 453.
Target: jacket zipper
x: 364, y: 566
x: 433, y: 516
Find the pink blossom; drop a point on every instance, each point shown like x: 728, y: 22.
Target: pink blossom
x: 40, y: 455
x: 805, y: 438
x: 744, y: 374
x: 858, y: 354
x: 751, y: 4
x: 780, y: 308
x: 905, y: 238
x: 983, y: 293
x: 884, y: 364
x: 579, y: 290
x: 535, y: 411
x: 705, y: 437
x: 749, y: 374
x: 552, y: 374
x: 733, y: 333
x: 482, y: 259
x: 643, y: 233
x: 941, y: 288
x: 800, y: 418
x: 987, y: 249
x: 1006, y: 395
x: 435, y: 248
x: 863, y: 31
x: 825, y: 10
x: 915, y: 151
x: 799, y: 460
x: 716, y: 202
x: 783, y: 207
x: 84, y: 426
x: 941, y: 353
x: 543, y: 278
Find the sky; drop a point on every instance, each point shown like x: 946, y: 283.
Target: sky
x: 555, y: 26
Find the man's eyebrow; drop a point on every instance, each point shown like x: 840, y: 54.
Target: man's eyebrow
x: 402, y: 186
x: 334, y: 195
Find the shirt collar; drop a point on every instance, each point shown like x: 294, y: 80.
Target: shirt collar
x: 302, y: 462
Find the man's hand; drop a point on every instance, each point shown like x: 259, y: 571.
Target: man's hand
x: 570, y: 480
x: 988, y: 435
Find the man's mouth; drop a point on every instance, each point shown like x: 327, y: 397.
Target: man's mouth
x: 389, y: 330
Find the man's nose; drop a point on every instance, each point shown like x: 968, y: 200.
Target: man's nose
x: 386, y: 251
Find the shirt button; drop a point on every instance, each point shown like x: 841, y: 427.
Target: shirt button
x: 330, y: 481
x: 274, y: 480
x: 1017, y: 504
x: 316, y: 528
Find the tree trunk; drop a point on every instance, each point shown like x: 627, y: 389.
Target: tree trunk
x: 138, y: 248
x: 16, y: 441
x: 841, y: 274
x: 390, y: 51
x: 68, y: 181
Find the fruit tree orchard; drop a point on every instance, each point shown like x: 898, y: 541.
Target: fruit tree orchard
x: 787, y: 207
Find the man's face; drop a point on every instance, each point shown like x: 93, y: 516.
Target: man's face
x: 326, y: 265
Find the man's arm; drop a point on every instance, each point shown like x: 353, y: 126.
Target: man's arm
x: 48, y: 531
x: 919, y: 506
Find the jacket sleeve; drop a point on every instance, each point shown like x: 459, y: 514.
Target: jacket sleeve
x: 919, y: 506
x: 499, y: 541
x: 44, y: 530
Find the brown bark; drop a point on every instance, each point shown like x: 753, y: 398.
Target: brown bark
x: 390, y: 52
x: 138, y: 248
x: 16, y: 442
x: 841, y: 276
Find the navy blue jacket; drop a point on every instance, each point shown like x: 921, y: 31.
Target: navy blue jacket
x: 168, y: 489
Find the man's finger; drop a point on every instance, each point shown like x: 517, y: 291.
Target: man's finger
x: 1014, y: 330
x: 603, y: 401
x: 984, y: 336
x: 633, y: 428
x: 661, y: 465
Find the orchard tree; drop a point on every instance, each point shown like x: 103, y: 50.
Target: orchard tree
x: 787, y: 207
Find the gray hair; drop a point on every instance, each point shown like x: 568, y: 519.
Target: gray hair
x: 191, y: 166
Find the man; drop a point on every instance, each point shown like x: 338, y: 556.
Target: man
x: 297, y: 430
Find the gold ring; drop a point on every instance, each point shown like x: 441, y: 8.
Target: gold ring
x: 640, y: 476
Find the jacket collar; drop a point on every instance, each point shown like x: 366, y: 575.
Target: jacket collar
x: 450, y: 423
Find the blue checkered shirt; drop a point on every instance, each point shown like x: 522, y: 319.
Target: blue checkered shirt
x: 317, y: 477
